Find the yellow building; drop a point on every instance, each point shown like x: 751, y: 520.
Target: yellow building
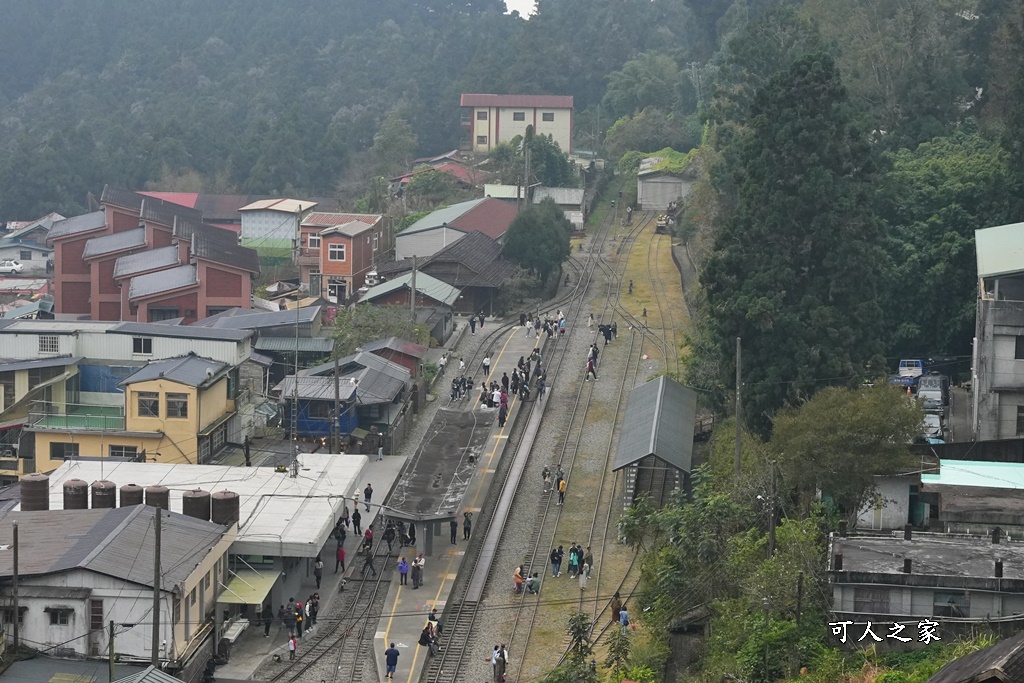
x: 175, y: 411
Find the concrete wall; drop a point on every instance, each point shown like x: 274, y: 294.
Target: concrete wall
x: 919, y: 602
x: 999, y: 376
x: 890, y: 508
x: 501, y: 125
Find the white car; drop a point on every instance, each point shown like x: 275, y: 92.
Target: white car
x: 933, y: 426
x: 10, y: 267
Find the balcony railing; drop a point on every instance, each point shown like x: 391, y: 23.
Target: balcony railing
x: 44, y: 415
x: 308, y: 257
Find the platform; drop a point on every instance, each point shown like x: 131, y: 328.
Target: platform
x: 251, y: 649
x: 407, y: 609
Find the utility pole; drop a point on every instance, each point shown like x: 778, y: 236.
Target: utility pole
x: 155, y: 656
x: 110, y: 649
x: 335, y: 427
x: 14, y: 588
x: 739, y: 426
x: 799, y: 595
x: 771, y: 513
x: 294, y: 426
x: 412, y: 291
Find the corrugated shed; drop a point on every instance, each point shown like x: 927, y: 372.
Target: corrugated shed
x: 400, y: 345
x: 305, y: 344
x: 659, y: 421
x: 525, y: 101
x: 425, y: 285
x: 109, y: 244
x: 154, y: 259
x: 567, y: 196
x: 350, y: 229
x: 162, y: 281
x: 325, y: 219
x: 446, y: 215
x: 282, y: 205
x: 78, y: 224
x: 380, y: 380
x: 186, y: 332
x: 315, y: 388
x: 150, y: 674
x: 248, y: 319
x: 190, y: 370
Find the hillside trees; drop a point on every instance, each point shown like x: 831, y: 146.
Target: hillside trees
x: 794, y: 267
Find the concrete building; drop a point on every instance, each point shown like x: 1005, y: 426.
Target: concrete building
x: 440, y: 228
x: 80, y: 569
x: 656, y: 189
x: 998, y: 375
x: 933, y: 576
x: 224, y: 210
x: 896, y: 502
x: 32, y: 255
x: 489, y: 120
x: 271, y: 226
x: 976, y: 497
x: 285, y: 518
x: 571, y: 200
x: 363, y: 240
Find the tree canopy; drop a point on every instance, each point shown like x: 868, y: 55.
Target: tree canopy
x: 538, y: 238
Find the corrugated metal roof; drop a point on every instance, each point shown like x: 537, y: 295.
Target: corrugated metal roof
x: 150, y: 674
x: 306, y: 344
x: 45, y: 222
x: 348, y: 229
x: 248, y: 319
x: 1000, y: 250
x: 425, y: 284
x: 78, y: 224
x: 185, y: 331
x: 42, y: 305
x: 119, y: 241
x: 569, y: 196
x: 315, y: 388
x: 380, y: 380
x: 190, y: 370
x: 164, y: 213
x: 400, y: 345
x: 282, y: 205
x: 325, y: 219
x: 659, y: 420
x: 166, y: 280
x: 23, y: 244
x: 107, y: 541
x: 187, y: 199
x: 446, y: 215
x: 1003, y: 661
x: 15, y: 365
x: 118, y: 196
x: 526, y: 101
x: 488, y: 215
x: 153, y: 259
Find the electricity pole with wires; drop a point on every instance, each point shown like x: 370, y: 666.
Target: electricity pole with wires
x: 155, y: 655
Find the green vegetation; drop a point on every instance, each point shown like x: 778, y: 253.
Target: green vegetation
x: 364, y: 323
x: 538, y: 239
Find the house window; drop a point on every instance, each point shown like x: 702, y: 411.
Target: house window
x: 481, y: 139
x: 548, y: 116
x: 37, y: 376
x: 63, y: 451
x: 1018, y: 347
x: 123, y: 452
x: 177, y: 406
x: 519, y: 116
x: 149, y: 404
x: 871, y: 600
x: 336, y: 252
x: 158, y: 314
x: 313, y: 242
x: 143, y: 345
x: 49, y: 343
x: 59, y: 617
x: 192, y: 597
x: 481, y: 116
x: 1020, y: 420
x: 206, y: 582
x: 96, y: 615
x: 9, y: 615
x: 951, y: 604
x: 375, y: 241
x: 25, y: 255
x: 319, y: 410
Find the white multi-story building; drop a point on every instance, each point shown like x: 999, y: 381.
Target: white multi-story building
x: 492, y: 119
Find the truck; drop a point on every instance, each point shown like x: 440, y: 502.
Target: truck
x: 911, y: 367
x: 933, y: 390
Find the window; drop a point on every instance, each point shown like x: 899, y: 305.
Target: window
x: 319, y: 410
x: 951, y: 604
x: 177, y: 406
x: 313, y: 242
x: 142, y: 345
x: 25, y: 255
x: 192, y: 597
x: 336, y: 252
x: 1020, y: 420
x: 63, y: 451
x: 96, y: 615
x: 336, y: 291
x: 375, y: 241
x: 158, y: 314
x: 519, y: 116
x: 149, y: 404
x: 548, y: 116
x: 59, y: 617
x: 871, y: 600
x: 37, y: 376
x: 49, y: 343
x: 481, y: 139
x: 481, y: 116
x: 9, y: 615
x: 1018, y: 348
x: 7, y: 383
x: 206, y: 582
x: 123, y: 452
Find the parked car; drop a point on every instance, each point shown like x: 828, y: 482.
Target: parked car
x: 11, y: 267
x: 932, y: 426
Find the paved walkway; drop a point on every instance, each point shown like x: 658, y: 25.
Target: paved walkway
x: 252, y: 649
x: 407, y: 609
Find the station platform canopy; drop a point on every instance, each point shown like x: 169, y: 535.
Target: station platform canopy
x: 659, y: 421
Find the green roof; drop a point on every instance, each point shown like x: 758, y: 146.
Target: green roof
x: 1000, y: 250
x: 425, y: 284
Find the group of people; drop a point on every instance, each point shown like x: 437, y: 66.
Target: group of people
x: 581, y: 562
x: 475, y: 320
x: 415, y: 568
x: 592, y: 353
x: 561, y: 483
x: 295, y: 616
x: 523, y: 580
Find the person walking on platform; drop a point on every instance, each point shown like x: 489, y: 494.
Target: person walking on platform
x: 522, y: 320
x: 345, y: 515
x: 339, y: 560
x: 368, y: 565
x: 591, y: 370
x: 556, y: 561
x: 455, y: 531
x: 389, y: 535
x: 467, y: 525
x: 367, y: 494
x: 318, y: 570
x: 472, y: 325
x: 487, y: 366
x: 412, y: 534
x: 441, y: 362
x: 502, y: 415
x: 357, y: 520
x: 403, y: 572
x: 481, y: 321
x: 268, y: 619
x: 504, y: 381
x: 390, y: 661
x: 562, y: 485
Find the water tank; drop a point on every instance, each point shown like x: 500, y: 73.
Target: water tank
x: 76, y: 495
x: 225, y: 507
x: 158, y: 497
x: 131, y: 494
x: 104, y: 494
x: 196, y: 503
x: 35, y: 492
